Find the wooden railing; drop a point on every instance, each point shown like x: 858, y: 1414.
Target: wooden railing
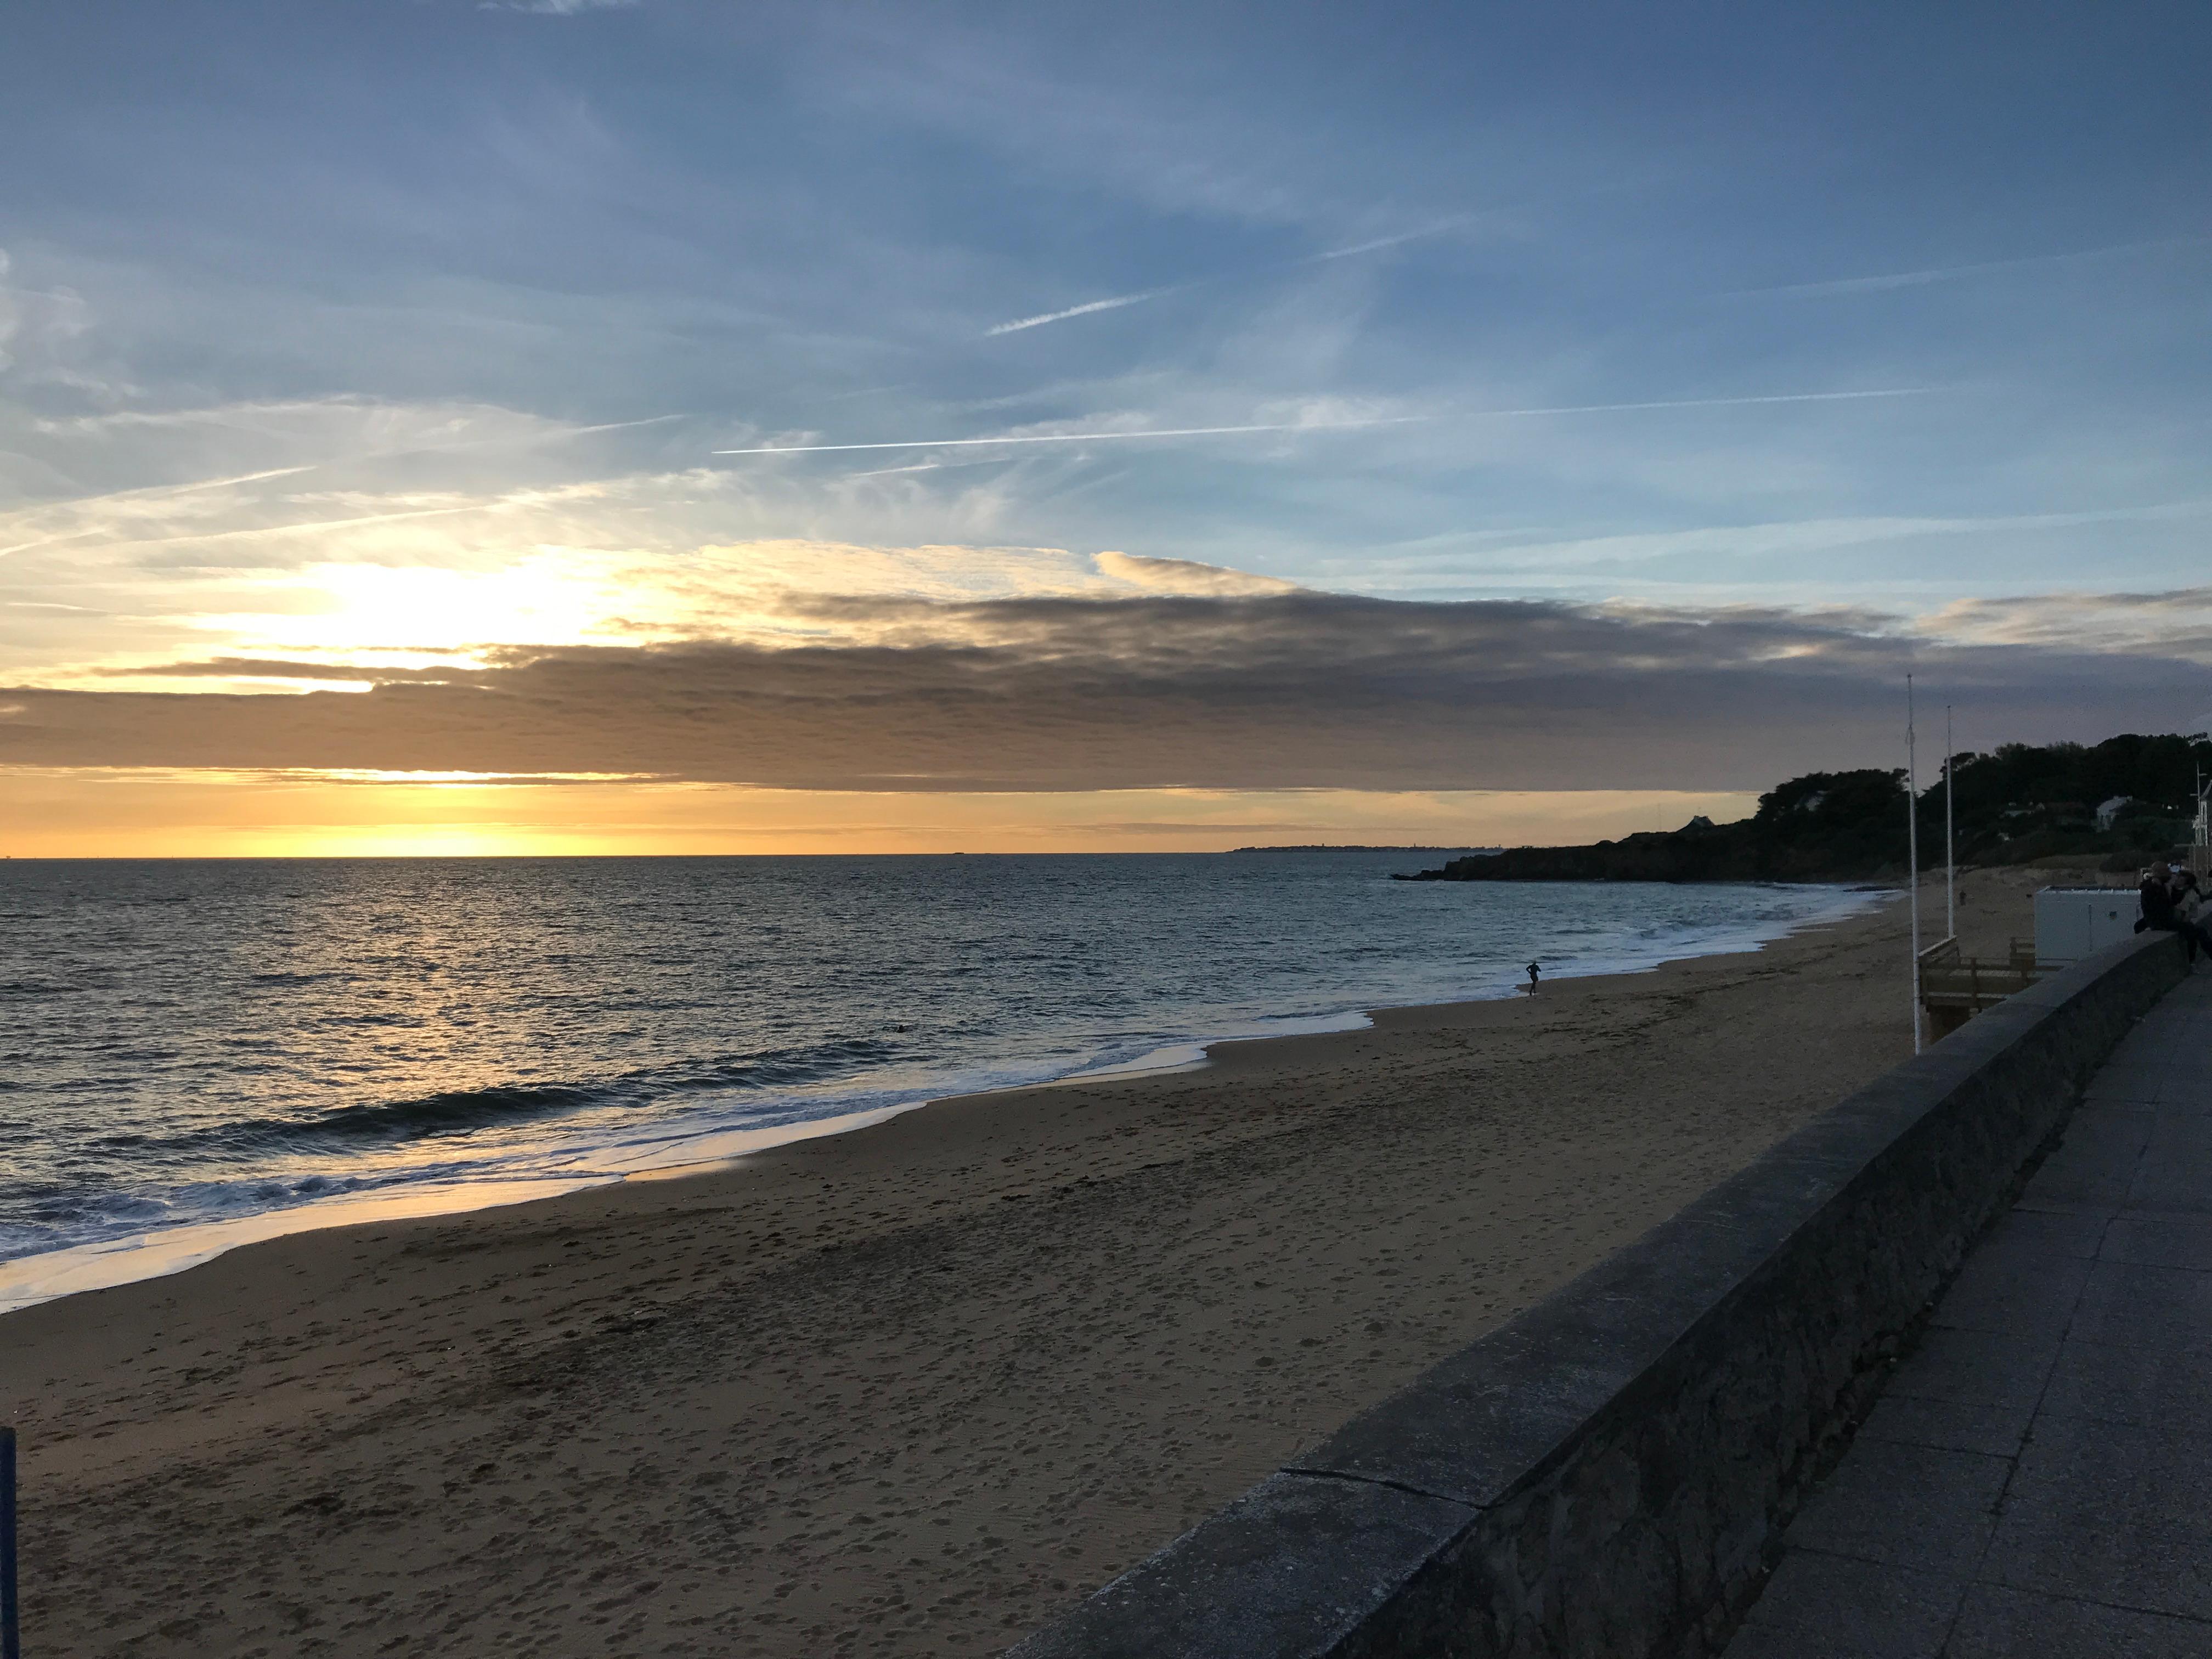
x: 1954, y: 988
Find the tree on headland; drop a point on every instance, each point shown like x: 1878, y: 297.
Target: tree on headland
x: 2017, y: 803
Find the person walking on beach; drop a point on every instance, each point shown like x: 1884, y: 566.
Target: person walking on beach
x: 1533, y: 971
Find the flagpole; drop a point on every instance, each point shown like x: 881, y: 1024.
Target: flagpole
x: 1912, y: 853
x: 1950, y: 844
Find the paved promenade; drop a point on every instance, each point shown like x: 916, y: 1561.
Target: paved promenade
x: 2037, y: 1476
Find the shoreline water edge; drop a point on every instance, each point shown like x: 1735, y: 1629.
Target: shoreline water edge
x: 915, y: 1388
x: 31, y: 1279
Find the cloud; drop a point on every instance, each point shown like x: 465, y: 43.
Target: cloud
x: 1747, y: 401
x: 369, y: 534
x: 1097, y: 436
x: 1512, y: 549
x: 556, y: 8
x: 1084, y: 310
x: 1187, y: 577
x: 1322, y: 423
x: 1889, y: 281
x: 1239, y: 690
x: 2176, y: 622
x: 36, y: 323
x: 1373, y: 245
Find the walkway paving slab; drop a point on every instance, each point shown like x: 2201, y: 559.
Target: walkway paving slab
x: 1830, y: 1607
x: 2096, y: 1165
x: 1911, y: 1506
x: 1947, y: 1425
x: 2126, y: 1303
x: 2002, y: 1369
x: 2130, y: 1384
x: 2011, y: 1287
x: 2036, y: 1479
x: 2160, y: 1241
x: 2002, y: 1623
x: 2109, y: 1512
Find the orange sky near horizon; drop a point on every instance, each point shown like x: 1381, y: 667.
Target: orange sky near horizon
x: 432, y: 429
x: 80, y: 812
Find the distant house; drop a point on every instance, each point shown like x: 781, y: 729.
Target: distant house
x: 2110, y: 810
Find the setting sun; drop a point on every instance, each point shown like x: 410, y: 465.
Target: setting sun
x: 836, y: 831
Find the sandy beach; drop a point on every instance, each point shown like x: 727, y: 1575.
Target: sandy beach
x: 911, y: 1389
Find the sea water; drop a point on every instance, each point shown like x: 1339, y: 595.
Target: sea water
x: 218, y: 1050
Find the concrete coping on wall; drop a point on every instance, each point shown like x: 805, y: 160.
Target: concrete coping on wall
x: 1608, y: 1473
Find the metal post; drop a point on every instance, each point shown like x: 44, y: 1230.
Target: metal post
x: 10, y: 1637
x: 1912, y: 853
x: 1950, y: 846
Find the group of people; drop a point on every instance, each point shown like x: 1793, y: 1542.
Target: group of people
x: 2174, y: 902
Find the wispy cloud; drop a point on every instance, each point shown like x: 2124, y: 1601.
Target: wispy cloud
x: 1084, y: 310
x: 1187, y: 577
x: 1705, y: 402
x: 353, y: 434
x: 1344, y: 425
x: 1083, y: 437
x: 147, y: 502
x: 1786, y: 537
x: 1373, y: 245
x: 1379, y: 243
x: 555, y: 8
x: 919, y: 466
x: 2176, y: 621
x: 1897, y: 279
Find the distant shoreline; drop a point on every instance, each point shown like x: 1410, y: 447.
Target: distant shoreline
x: 1459, y: 848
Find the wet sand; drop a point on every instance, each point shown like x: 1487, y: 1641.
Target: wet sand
x: 909, y: 1390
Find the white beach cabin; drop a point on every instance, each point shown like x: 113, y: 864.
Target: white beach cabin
x: 2073, y: 922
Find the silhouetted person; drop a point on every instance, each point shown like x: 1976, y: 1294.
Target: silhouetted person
x: 2161, y: 914
x: 1532, y: 979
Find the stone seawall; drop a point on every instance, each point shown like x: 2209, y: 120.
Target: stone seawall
x: 1607, y: 1473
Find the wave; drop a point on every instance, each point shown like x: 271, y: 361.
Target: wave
x: 457, y: 1111
x: 807, y: 992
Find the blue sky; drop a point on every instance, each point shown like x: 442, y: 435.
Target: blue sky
x: 1914, y: 303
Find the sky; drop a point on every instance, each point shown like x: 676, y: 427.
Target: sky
x: 561, y: 426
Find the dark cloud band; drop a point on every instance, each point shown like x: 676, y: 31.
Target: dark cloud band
x: 1268, y: 691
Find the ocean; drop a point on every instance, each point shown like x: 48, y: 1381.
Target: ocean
x: 198, y: 1052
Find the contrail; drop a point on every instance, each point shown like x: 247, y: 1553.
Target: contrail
x: 311, y: 466
x: 924, y: 466
x: 1897, y: 279
x: 1077, y: 437
x: 1381, y: 242
x: 616, y: 425
x: 1042, y: 318
x: 497, y: 439
x: 1702, y: 403
x: 126, y: 495
x: 1121, y: 300
x: 1338, y: 426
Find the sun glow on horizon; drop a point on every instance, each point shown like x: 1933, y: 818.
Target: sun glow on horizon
x: 148, y: 813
